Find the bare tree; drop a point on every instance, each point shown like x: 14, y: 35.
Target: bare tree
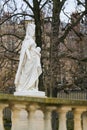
x: 13, y: 20
x: 57, y: 39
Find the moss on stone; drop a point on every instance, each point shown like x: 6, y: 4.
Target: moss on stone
x: 47, y: 101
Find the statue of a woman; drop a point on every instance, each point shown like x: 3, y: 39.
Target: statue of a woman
x: 29, y: 68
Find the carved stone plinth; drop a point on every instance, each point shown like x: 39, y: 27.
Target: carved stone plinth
x: 34, y: 93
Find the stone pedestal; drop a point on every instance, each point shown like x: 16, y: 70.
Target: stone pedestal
x: 34, y: 93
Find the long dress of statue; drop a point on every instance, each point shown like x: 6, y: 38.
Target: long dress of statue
x: 29, y: 68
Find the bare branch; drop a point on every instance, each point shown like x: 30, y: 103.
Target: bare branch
x: 70, y: 26
x: 44, y: 4
x: 62, y: 3
x: 67, y: 47
x: 40, y: 1
x: 6, y: 2
x: 2, y: 35
x: 28, y: 4
x: 23, y: 14
x: 65, y: 13
x: 80, y: 3
x: 12, y: 59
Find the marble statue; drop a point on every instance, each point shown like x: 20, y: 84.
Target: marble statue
x: 29, y: 68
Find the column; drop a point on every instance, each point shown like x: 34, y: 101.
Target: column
x: 36, y: 118
x: 77, y: 119
x: 62, y: 117
x: 48, y: 118
x: 84, y: 119
x: 19, y: 117
x: 2, y: 106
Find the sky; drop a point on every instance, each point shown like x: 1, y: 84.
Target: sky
x: 71, y: 4
x: 70, y: 7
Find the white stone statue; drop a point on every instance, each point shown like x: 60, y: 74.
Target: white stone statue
x: 29, y: 68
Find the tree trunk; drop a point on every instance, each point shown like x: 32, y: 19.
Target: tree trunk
x: 55, y: 47
x: 37, y: 17
x: 38, y: 32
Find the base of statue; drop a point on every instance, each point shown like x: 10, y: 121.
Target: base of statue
x: 30, y: 93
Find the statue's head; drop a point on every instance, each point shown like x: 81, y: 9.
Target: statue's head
x: 30, y: 37
x: 30, y: 30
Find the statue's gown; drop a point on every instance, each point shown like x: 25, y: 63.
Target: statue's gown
x: 29, y: 68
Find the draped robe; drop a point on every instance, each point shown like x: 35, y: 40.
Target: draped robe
x: 29, y: 68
